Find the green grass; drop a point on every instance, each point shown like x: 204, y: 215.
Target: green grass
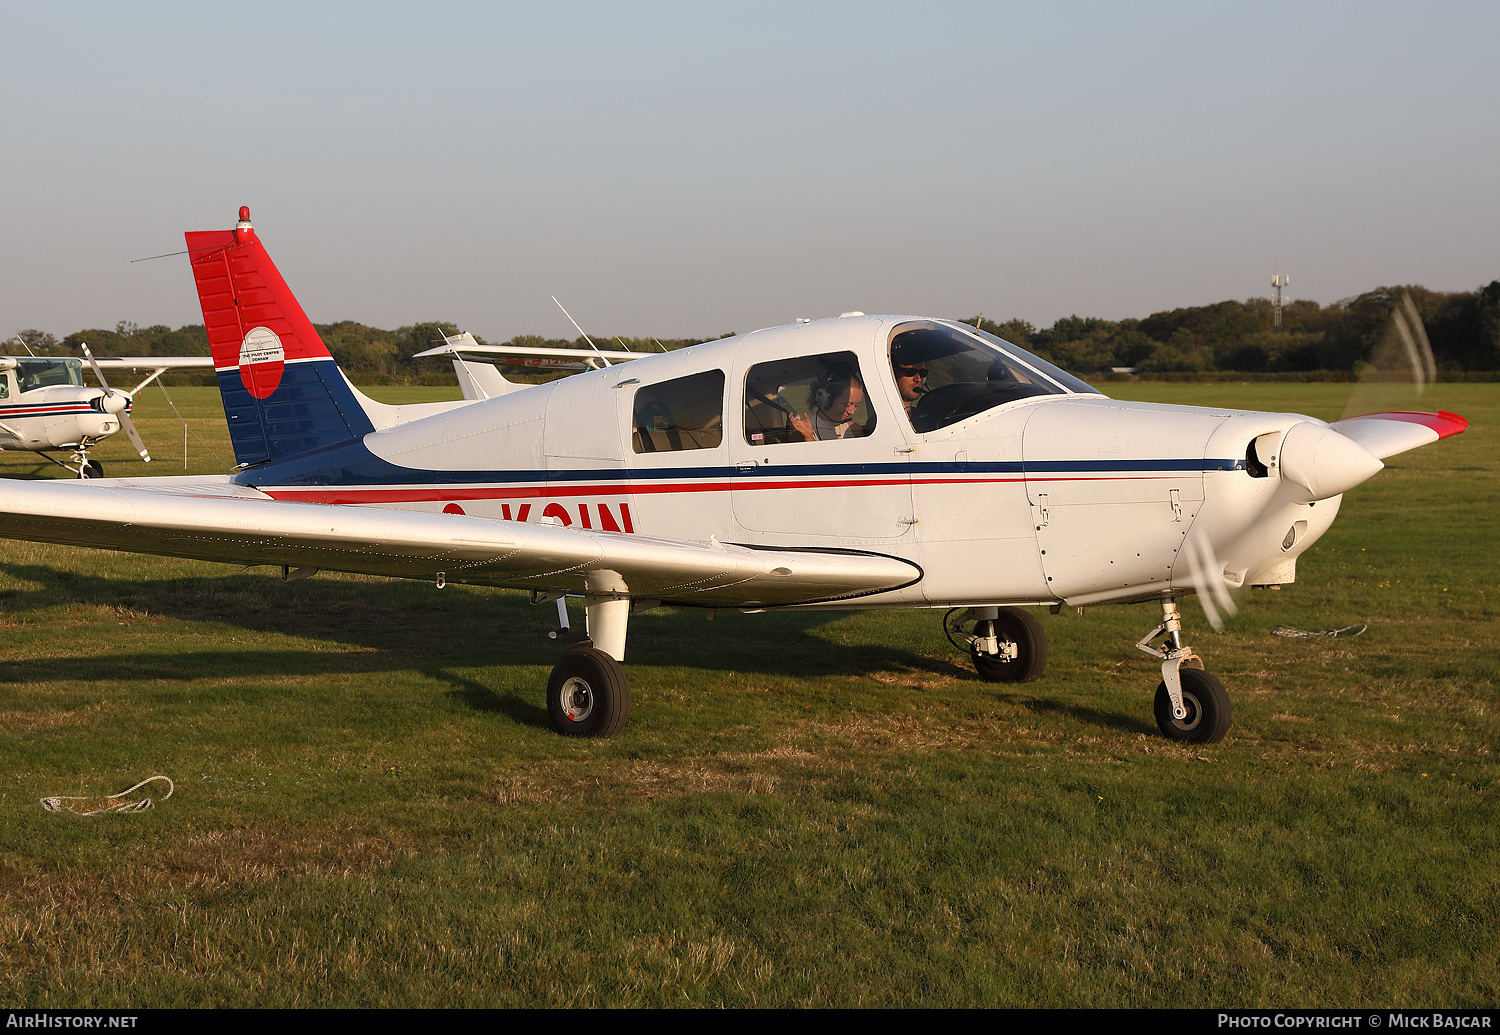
x: 818, y: 809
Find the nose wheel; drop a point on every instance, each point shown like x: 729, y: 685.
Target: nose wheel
x: 1191, y: 705
x: 81, y: 464
x: 1206, y: 704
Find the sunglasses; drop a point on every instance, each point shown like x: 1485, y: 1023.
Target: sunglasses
x: 911, y: 371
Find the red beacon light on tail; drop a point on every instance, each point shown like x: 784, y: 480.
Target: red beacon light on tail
x: 244, y: 225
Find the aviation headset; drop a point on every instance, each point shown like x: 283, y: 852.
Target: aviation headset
x: 839, y: 377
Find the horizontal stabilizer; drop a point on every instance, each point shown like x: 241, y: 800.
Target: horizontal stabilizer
x: 1386, y: 434
x: 214, y: 520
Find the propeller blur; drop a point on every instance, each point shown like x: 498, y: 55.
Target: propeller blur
x: 856, y: 462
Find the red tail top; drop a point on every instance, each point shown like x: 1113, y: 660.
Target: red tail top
x: 254, y: 322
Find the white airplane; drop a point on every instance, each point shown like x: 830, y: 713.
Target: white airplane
x: 44, y: 405
x: 857, y: 462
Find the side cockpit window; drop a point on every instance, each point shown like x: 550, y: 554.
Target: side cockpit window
x: 685, y: 413
x: 35, y: 373
x: 807, y: 399
x: 946, y: 374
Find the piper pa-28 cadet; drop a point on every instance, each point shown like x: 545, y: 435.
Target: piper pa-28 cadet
x: 857, y: 462
x: 45, y: 406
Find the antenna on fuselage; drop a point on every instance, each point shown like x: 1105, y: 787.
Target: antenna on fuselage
x: 581, y: 331
x: 25, y: 346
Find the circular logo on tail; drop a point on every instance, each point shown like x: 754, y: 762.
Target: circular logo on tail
x: 261, y: 361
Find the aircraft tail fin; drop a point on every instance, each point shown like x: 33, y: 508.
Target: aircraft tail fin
x: 283, y: 393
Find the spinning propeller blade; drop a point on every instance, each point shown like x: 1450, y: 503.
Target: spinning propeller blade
x: 1206, y: 576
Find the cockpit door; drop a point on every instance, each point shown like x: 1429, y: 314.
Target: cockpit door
x: 814, y: 452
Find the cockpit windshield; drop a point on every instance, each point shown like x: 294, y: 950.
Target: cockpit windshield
x: 47, y: 373
x: 946, y: 373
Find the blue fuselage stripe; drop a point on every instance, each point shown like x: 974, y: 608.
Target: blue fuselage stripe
x: 352, y: 464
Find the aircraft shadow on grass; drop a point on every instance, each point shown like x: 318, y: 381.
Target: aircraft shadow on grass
x: 406, y: 625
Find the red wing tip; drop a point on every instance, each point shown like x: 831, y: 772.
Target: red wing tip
x: 1444, y: 423
x: 1456, y: 424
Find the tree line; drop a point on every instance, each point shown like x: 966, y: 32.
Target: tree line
x: 1344, y: 338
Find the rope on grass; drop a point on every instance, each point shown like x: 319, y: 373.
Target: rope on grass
x: 1303, y: 634
x: 111, y: 804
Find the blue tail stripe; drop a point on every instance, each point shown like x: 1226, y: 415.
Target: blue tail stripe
x: 312, y: 408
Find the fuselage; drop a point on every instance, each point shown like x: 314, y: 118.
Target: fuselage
x: 44, y: 404
x: 1048, y: 492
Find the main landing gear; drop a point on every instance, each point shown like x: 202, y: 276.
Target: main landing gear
x: 1190, y: 705
x: 1006, y: 644
x: 588, y: 694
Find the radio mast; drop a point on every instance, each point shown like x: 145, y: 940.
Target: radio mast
x: 1279, y: 281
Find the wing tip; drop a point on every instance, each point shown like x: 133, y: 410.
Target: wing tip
x: 1443, y: 423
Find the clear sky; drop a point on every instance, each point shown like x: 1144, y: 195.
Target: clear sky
x: 690, y: 169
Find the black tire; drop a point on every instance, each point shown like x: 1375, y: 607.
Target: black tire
x: 1207, y: 704
x: 1022, y: 629
x: 588, y: 694
x: 92, y: 469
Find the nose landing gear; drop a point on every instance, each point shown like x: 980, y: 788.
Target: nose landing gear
x: 1191, y: 705
x: 81, y: 464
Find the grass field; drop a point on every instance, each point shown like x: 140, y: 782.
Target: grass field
x: 806, y: 809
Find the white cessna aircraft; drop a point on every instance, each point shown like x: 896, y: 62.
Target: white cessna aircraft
x: 45, y: 406
x: 858, y: 462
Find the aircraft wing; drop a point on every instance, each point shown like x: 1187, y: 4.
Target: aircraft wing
x: 213, y: 519
x: 1386, y: 434
x: 155, y: 362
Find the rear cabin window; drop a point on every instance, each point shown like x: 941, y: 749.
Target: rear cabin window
x: 806, y: 399
x: 685, y: 413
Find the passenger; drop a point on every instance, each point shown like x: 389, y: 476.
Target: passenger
x: 837, y: 398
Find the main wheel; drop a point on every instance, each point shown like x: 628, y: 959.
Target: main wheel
x: 588, y: 694
x: 91, y: 469
x: 1022, y: 629
x: 1207, y: 704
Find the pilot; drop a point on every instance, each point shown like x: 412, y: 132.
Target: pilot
x: 910, y: 378
x: 837, y: 398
